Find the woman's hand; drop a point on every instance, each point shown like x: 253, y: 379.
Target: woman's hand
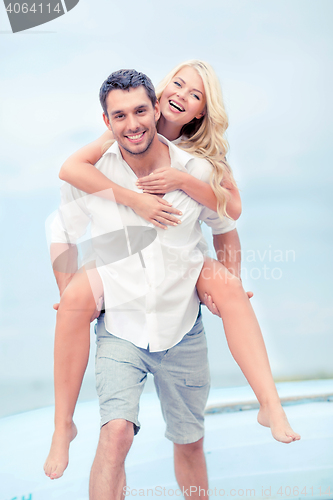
x: 161, y: 181
x: 155, y: 210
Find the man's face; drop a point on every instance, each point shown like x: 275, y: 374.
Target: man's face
x: 132, y: 119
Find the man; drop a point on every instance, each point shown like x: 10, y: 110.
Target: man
x: 151, y: 319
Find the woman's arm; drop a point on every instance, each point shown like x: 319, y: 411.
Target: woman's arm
x: 164, y: 180
x: 71, y: 170
x: 79, y: 171
x: 234, y: 204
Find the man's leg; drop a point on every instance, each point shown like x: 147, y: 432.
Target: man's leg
x: 190, y: 469
x: 120, y: 379
x: 107, y: 478
x: 182, y: 382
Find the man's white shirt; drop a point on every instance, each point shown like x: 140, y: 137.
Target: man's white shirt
x: 149, y: 274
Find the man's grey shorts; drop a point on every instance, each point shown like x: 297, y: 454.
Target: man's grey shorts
x: 181, y: 377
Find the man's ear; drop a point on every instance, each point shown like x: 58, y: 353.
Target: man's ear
x: 107, y: 121
x: 157, y: 111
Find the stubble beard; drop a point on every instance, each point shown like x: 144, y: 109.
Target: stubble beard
x: 134, y: 153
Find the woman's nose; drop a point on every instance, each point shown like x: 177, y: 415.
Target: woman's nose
x: 181, y: 93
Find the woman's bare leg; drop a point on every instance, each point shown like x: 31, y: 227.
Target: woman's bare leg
x: 246, y: 344
x: 71, y: 352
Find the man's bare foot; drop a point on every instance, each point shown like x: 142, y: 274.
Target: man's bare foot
x: 275, y: 418
x: 57, y: 460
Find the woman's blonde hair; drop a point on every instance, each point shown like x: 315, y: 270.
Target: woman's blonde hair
x: 205, y: 137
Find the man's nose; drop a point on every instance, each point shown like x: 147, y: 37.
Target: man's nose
x: 133, y: 123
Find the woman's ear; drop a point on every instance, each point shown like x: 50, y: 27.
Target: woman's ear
x: 203, y: 112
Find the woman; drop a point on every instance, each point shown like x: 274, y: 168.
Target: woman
x: 192, y: 112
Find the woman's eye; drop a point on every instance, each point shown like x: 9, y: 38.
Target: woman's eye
x: 177, y: 83
x: 196, y: 96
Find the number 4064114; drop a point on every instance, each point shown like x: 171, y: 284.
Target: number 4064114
x: 24, y: 8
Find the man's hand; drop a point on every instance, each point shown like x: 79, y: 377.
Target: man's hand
x: 228, y: 251
x: 208, y: 301
x: 155, y: 210
x: 161, y: 181
x: 99, y: 307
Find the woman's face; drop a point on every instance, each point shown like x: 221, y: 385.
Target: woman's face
x: 184, y: 98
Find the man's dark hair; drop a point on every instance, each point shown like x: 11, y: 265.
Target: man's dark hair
x: 125, y: 79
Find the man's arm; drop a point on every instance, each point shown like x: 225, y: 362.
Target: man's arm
x: 70, y: 223
x: 228, y: 251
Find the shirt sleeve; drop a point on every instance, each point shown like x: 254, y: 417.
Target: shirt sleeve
x: 202, y: 169
x: 72, y: 218
x: 218, y: 225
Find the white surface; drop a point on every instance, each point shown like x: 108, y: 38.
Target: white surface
x: 290, y: 392
x: 241, y: 455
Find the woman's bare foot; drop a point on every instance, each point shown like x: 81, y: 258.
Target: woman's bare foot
x: 275, y: 418
x: 57, y: 460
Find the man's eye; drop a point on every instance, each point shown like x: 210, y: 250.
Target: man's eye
x: 119, y: 116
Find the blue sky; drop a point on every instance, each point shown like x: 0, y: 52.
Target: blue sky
x: 274, y: 61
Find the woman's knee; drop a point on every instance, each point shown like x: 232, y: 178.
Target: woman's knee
x: 215, y: 280
x: 77, y: 297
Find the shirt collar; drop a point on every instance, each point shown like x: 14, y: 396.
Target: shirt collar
x: 114, y: 149
x: 179, y: 158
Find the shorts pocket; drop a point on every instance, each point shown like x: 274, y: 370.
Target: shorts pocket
x: 119, y: 351
x: 196, y: 330
x: 198, y: 379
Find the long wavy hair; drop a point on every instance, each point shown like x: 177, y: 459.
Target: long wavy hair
x: 205, y: 137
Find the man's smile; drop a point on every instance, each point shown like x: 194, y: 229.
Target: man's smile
x: 135, y: 138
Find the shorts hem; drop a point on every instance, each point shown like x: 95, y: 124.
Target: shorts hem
x: 182, y: 440
x: 129, y: 418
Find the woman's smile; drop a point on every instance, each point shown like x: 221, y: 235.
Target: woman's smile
x: 184, y: 98
x: 175, y: 106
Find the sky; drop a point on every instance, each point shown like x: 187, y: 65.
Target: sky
x: 274, y: 62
